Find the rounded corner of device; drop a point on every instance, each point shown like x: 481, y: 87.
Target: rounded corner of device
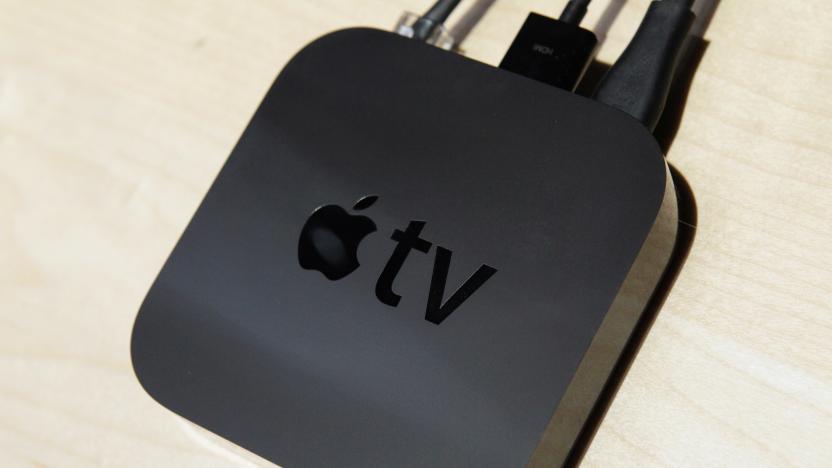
x: 665, y: 191
x: 141, y: 365
x: 148, y: 388
x: 136, y: 362
x: 341, y: 36
x: 664, y: 215
x: 657, y: 176
x: 349, y: 33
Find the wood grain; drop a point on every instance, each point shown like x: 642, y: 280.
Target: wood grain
x: 116, y: 115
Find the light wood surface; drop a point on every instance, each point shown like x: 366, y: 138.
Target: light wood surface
x: 115, y: 116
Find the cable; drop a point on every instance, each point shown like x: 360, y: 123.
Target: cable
x: 639, y: 80
x: 574, y: 11
x: 427, y: 23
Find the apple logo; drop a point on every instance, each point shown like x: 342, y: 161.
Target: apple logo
x: 330, y: 237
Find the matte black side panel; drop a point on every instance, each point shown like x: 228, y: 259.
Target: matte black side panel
x: 556, y: 192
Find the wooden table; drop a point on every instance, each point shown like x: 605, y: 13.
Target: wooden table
x: 115, y: 116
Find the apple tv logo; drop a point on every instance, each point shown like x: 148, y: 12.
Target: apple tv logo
x: 329, y: 239
x: 329, y: 243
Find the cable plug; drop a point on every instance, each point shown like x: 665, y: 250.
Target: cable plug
x: 553, y: 51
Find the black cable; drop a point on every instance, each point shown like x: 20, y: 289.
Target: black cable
x: 574, y: 11
x: 639, y: 80
x: 435, y: 16
x: 441, y: 10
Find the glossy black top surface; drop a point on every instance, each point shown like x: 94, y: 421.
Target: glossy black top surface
x: 483, y: 169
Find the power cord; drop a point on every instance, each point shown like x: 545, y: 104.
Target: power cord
x: 640, y: 79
